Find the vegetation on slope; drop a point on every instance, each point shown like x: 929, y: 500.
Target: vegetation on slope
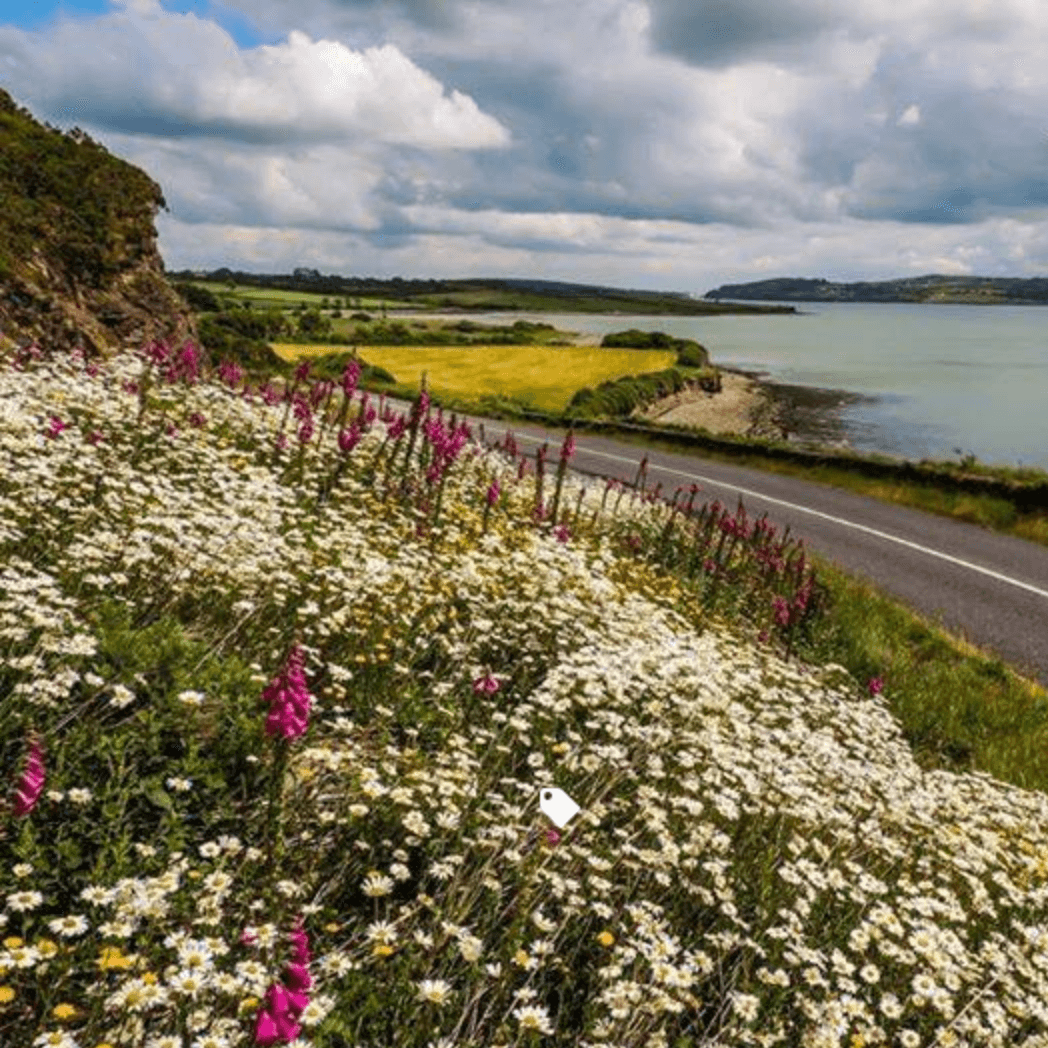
x: 78, y: 258
x: 354, y: 852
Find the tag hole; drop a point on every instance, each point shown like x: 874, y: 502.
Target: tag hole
x: 546, y: 795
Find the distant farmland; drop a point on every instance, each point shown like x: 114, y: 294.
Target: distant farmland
x: 545, y: 377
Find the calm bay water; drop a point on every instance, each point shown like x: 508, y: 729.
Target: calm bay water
x: 937, y: 377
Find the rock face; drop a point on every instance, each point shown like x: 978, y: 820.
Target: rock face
x: 79, y: 264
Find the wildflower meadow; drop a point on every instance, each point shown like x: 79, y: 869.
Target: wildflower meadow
x: 283, y: 672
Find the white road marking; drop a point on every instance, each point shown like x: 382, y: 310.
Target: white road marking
x: 825, y: 516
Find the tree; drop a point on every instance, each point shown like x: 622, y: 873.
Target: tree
x: 311, y: 324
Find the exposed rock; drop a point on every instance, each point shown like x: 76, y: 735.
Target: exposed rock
x: 79, y: 263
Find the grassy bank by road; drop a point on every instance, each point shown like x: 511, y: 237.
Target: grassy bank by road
x: 939, y: 491
x: 278, y: 696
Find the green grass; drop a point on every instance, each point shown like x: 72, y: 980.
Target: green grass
x: 265, y: 298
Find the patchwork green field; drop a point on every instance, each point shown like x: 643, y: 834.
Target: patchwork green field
x: 545, y: 377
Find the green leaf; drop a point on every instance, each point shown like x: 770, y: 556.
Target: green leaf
x: 154, y: 792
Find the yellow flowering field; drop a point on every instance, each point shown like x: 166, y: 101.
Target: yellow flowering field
x: 545, y: 377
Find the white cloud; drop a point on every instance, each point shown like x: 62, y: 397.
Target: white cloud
x: 911, y: 116
x: 128, y: 71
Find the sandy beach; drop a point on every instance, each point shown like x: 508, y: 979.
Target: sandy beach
x: 742, y: 406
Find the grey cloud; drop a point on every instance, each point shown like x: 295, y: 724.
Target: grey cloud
x: 717, y: 33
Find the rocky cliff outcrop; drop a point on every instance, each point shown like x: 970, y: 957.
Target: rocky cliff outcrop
x: 78, y: 257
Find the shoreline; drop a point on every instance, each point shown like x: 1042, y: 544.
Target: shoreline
x: 750, y: 405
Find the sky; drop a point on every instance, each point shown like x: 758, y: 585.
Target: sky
x: 664, y: 144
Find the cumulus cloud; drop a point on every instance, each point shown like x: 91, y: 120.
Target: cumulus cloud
x: 130, y: 71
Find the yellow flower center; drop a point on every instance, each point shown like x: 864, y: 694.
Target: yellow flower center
x: 605, y: 938
x: 7, y: 994
x: 63, y: 1011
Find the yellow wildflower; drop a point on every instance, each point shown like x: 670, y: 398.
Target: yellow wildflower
x: 63, y: 1012
x: 382, y: 949
x: 605, y: 938
x: 149, y: 978
x: 248, y: 1003
x: 112, y: 957
x: 520, y: 957
x: 46, y: 947
x: 332, y: 928
x: 7, y: 994
x: 12, y: 942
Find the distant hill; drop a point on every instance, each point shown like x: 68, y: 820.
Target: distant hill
x: 78, y: 258
x: 933, y: 288
x: 483, y: 294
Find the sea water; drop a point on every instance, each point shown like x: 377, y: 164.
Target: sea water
x: 937, y: 381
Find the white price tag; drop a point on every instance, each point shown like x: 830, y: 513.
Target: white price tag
x: 557, y: 806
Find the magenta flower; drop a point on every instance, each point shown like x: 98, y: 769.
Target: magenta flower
x: 93, y: 370
x: 95, y: 437
x: 493, y: 493
x: 186, y: 365
x: 568, y: 447
x: 305, y: 431
x: 350, y: 377
x: 277, y: 1019
x: 319, y: 392
x: 31, y: 784
x: 275, y: 1022
x: 281, y: 441
x: 782, y: 611
x: 55, y: 426
x: 157, y: 352
x: 230, y: 372
x: 289, y: 698
x: 486, y: 685
x: 349, y: 438
x: 171, y: 429
x: 302, y: 371
x: 562, y: 532
x: 397, y: 427
x: 197, y: 420
x: 875, y: 685
x: 552, y: 838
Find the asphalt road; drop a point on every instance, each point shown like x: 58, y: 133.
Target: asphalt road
x: 990, y: 589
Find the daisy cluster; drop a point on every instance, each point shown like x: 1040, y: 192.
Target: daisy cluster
x: 758, y: 859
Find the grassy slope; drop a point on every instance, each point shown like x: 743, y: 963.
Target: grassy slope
x: 744, y: 819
